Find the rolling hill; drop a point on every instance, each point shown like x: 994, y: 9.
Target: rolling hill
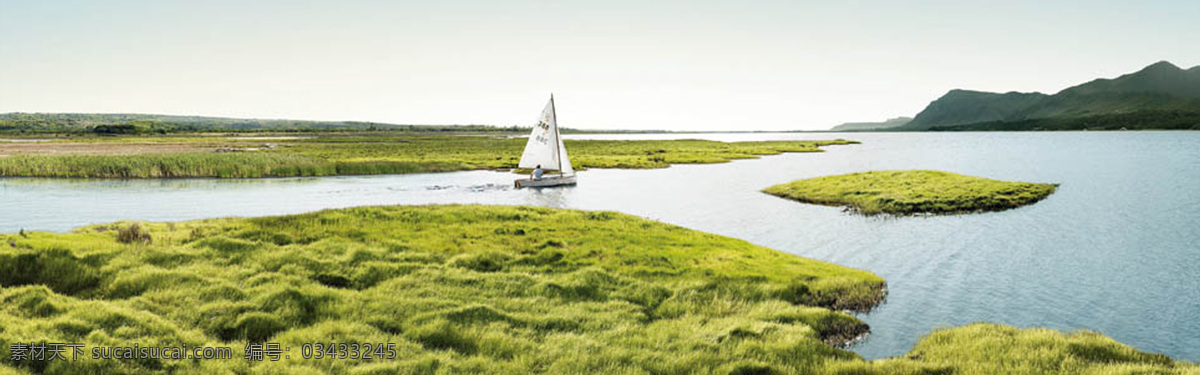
x: 1135, y: 101
x: 857, y: 126
x: 965, y: 107
x: 1161, y: 77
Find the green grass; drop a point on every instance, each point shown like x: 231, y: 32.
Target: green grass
x: 983, y: 349
x: 913, y: 192
x: 476, y: 289
x: 480, y: 290
x: 357, y: 155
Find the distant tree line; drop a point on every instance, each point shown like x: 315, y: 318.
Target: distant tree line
x: 110, y: 124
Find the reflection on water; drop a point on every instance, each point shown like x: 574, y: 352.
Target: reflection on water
x: 1116, y: 249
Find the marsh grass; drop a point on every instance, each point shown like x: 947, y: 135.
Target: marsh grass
x: 913, y: 192
x: 981, y: 349
x: 476, y: 289
x: 480, y: 290
x: 364, y: 155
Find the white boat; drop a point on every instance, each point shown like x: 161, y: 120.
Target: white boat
x: 545, y: 148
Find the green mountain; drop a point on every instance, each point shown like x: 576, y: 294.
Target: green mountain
x: 1163, y: 90
x: 1161, y: 77
x: 856, y: 126
x: 965, y: 107
x: 1140, y: 120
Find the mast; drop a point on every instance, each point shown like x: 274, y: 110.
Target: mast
x: 557, y: 137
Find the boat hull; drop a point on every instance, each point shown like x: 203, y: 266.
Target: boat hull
x: 545, y: 182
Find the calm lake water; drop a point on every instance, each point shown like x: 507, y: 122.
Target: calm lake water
x: 1116, y: 249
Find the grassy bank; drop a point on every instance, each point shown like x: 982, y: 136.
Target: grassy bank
x: 985, y: 349
x: 478, y: 290
x: 167, y: 157
x: 474, y: 289
x: 913, y: 192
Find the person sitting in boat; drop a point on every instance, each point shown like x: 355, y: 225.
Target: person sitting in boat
x: 537, y: 173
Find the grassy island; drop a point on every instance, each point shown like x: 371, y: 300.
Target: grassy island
x: 346, y: 154
x: 478, y: 290
x: 913, y: 192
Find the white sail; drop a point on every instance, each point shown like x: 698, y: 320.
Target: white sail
x: 562, y: 156
x: 545, y: 147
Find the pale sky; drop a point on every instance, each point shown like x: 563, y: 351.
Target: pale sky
x: 676, y: 65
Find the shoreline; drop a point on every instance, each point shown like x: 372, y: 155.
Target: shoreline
x: 378, y: 156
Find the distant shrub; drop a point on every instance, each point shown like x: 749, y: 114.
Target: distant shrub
x: 129, y: 128
x: 133, y: 233
x: 195, y: 234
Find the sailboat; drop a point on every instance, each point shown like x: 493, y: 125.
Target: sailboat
x: 545, y: 148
